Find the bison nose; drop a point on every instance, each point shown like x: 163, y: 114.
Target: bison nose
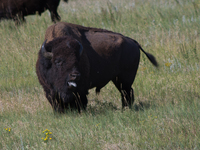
x: 75, y: 76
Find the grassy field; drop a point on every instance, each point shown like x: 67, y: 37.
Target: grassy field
x: 167, y: 100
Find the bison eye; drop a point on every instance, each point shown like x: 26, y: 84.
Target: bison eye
x: 58, y: 62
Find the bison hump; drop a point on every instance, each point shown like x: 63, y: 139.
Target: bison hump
x: 105, y: 43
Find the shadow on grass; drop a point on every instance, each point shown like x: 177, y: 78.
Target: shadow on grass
x: 103, y: 107
x: 99, y: 108
x: 142, y: 106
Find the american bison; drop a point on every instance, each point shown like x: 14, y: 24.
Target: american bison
x: 17, y: 9
x: 74, y: 59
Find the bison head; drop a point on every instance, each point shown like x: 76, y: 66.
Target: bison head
x: 60, y: 60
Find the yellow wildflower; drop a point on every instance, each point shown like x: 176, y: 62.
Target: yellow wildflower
x: 143, y: 68
x: 168, y: 64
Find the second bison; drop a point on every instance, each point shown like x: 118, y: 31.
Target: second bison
x: 74, y: 59
x: 17, y: 9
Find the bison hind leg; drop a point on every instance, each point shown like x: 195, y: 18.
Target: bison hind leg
x: 127, y: 98
x: 127, y: 94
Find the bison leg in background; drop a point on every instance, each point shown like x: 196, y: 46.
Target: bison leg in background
x: 19, y: 18
x: 54, y: 14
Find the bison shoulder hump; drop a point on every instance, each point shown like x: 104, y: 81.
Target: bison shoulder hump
x: 117, y: 40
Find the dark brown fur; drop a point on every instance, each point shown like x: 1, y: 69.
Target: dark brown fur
x: 17, y: 9
x: 107, y: 56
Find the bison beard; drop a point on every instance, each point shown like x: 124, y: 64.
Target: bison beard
x: 76, y: 59
x: 64, y: 101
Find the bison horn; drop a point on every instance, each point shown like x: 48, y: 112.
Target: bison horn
x: 46, y: 54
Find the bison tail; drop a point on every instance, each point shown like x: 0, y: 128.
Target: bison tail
x: 150, y: 57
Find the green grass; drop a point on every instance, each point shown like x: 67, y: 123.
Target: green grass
x: 167, y: 100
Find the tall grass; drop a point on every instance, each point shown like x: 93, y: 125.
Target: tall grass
x: 166, y: 110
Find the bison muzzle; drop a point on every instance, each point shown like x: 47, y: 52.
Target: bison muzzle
x: 74, y: 59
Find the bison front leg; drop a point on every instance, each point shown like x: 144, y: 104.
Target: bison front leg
x: 84, y: 102
x: 80, y: 102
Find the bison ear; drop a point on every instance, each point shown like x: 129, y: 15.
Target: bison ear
x: 46, y: 54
